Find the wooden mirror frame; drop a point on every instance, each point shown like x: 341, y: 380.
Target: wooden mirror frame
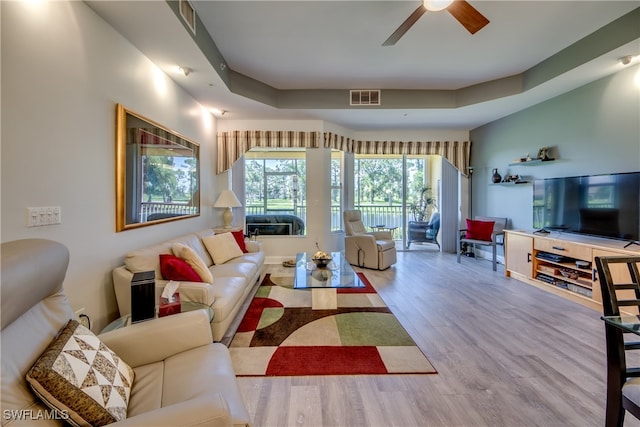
x: 135, y: 136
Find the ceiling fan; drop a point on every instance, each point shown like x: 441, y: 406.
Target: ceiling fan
x: 466, y: 14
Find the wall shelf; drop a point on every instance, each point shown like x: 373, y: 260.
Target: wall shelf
x: 534, y: 162
x: 512, y: 183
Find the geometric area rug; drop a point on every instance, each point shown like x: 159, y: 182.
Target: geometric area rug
x: 280, y: 335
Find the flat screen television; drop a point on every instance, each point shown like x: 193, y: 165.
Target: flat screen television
x: 597, y: 205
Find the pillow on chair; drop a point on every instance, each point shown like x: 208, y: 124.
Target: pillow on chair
x: 81, y: 377
x: 479, y: 230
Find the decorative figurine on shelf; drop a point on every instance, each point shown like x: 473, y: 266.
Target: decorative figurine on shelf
x: 496, y: 178
x: 512, y: 178
x: 543, y: 154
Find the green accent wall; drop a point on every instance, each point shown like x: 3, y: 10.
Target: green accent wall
x: 594, y: 129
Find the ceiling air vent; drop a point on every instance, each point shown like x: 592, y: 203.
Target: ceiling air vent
x: 188, y: 13
x: 365, y: 97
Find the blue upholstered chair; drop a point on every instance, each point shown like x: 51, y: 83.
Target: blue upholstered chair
x: 427, y: 232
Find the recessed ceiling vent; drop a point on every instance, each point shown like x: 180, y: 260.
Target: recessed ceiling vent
x: 188, y: 13
x: 365, y: 97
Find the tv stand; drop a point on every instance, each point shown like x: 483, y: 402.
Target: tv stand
x: 562, y: 263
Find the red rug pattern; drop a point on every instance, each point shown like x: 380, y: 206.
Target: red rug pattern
x: 280, y: 335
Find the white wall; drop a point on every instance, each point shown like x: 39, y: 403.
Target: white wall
x: 63, y: 71
x: 594, y: 129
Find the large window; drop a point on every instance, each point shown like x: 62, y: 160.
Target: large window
x: 275, y: 191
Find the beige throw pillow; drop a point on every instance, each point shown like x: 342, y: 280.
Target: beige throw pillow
x: 193, y: 259
x: 81, y: 377
x: 222, y: 247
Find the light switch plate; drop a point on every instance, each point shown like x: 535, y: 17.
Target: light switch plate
x: 47, y: 215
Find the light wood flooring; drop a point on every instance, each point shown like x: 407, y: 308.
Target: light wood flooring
x: 507, y: 354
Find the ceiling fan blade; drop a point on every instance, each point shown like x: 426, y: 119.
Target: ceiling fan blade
x: 467, y: 15
x: 404, y: 27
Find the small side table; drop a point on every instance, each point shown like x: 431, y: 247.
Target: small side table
x: 185, y: 306
x: 392, y: 230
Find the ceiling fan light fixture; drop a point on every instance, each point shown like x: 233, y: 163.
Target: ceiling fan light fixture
x: 437, y: 5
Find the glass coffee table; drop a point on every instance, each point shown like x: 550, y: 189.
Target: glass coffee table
x: 324, y: 282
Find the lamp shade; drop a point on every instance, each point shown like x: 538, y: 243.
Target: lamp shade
x: 227, y: 199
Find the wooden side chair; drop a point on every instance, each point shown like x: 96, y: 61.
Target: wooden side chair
x: 620, y: 287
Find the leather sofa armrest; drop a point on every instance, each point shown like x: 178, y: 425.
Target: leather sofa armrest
x: 381, y: 235
x: 361, y: 250
x: 207, y: 410
x: 366, y: 242
x: 155, y: 340
x: 189, y: 291
x: 253, y: 245
x: 122, y: 288
x: 197, y: 292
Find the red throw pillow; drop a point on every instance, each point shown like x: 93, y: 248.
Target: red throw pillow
x: 239, y: 236
x: 174, y: 268
x: 479, y: 230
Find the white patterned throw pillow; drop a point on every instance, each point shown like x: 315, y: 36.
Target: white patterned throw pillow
x: 222, y: 247
x: 79, y: 375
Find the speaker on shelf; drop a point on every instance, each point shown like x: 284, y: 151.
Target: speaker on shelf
x: 143, y: 304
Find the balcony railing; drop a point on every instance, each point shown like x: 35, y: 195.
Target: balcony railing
x: 149, y: 208
x: 389, y: 216
x: 372, y: 215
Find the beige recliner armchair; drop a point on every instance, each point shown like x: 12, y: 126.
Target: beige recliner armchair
x: 181, y: 377
x: 375, y: 249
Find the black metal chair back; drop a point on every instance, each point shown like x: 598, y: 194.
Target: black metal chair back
x: 620, y: 287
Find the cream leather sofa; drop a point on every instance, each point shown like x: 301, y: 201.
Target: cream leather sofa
x: 232, y: 281
x: 181, y: 377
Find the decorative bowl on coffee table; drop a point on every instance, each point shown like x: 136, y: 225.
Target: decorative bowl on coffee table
x: 322, y: 262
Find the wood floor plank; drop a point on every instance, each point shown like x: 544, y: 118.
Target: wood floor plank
x: 507, y: 354
x: 303, y: 410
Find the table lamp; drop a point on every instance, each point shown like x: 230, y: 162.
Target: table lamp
x: 228, y: 200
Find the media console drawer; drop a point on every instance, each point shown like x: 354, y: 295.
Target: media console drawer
x: 562, y: 247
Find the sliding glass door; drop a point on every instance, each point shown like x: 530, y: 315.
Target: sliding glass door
x: 390, y: 191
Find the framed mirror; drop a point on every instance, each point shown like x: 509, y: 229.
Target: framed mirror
x: 157, y: 173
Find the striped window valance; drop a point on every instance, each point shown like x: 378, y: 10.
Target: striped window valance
x: 456, y: 152
x: 232, y: 145
x: 156, y: 139
x: 151, y: 136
